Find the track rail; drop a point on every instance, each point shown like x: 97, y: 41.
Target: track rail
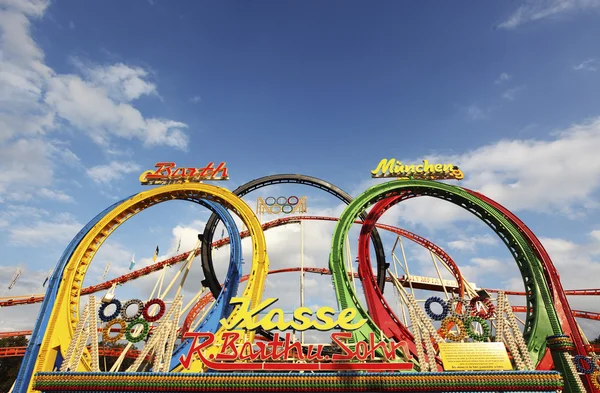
x: 20, y: 300
x: 211, y: 279
x: 57, y: 321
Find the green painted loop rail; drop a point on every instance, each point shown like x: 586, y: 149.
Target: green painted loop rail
x: 541, y: 318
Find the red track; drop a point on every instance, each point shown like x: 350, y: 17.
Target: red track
x: 7, y: 352
x: 561, y: 304
x: 573, y: 292
x: 219, y: 243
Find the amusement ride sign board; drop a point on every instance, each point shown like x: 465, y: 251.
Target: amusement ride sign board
x: 168, y: 173
x: 280, y: 354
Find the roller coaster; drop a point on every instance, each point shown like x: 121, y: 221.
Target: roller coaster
x: 548, y: 352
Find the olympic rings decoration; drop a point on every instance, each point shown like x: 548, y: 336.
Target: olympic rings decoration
x: 591, y: 366
x: 106, y: 318
x: 142, y: 316
x: 161, y: 310
x: 595, y: 377
x: 490, y: 309
x: 452, y: 308
x: 113, y: 339
x: 471, y: 333
x: 461, y: 335
x: 441, y: 302
x: 282, y: 204
x: 140, y: 307
x: 140, y: 336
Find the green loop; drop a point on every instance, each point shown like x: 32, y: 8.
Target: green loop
x: 476, y: 336
x: 140, y: 336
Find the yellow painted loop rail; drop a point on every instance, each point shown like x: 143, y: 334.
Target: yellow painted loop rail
x: 65, y: 312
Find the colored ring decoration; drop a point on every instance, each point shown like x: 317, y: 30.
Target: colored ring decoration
x: 595, y: 377
x: 471, y: 333
x: 452, y: 336
x: 140, y: 336
x: 283, y: 209
x: 105, y: 318
x: 487, y: 303
x: 441, y: 302
x: 452, y: 308
x: 577, y: 360
x: 278, y: 207
x: 140, y: 307
x: 268, y: 199
x: 294, y: 198
x: 106, y: 331
x: 282, y: 198
x: 161, y: 310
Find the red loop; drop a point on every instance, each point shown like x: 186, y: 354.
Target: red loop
x: 161, y: 310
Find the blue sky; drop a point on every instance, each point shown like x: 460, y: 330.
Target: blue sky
x: 93, y: 93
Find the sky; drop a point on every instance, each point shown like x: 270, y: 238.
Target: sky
x: 94, y: 93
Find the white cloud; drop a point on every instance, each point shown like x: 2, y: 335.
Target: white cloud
x: 511, y: 93
x: 522, y: 174
x: 55, y: 195
x: 121, y: 82
x: 111, y: 172
x: 587, y: 65
x: 471, y: 243
x: 503, y: 77
x: 534, y: 10
x: 34, y: 99
x: 474, y: 112
x: 59, y: 229
x: 196, y: 99
x: 30, y: 164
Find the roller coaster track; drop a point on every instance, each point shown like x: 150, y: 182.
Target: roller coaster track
x: 211, y: 279
x: 20, y: 300
x: 541, y: 316
x: 36, y: 298
x: 59, y: 312
x: 8, y: 352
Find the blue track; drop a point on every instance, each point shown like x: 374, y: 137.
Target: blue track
x: 210, y: 323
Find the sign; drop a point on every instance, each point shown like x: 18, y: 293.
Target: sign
x: 474, y: 356
x: 426, y: 171
x: 168, y: 173
x: 285, y: 205
x: 434, y: 281
x: 279, y: 353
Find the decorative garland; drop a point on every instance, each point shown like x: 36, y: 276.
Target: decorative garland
x: 113, y: 339
x: 213, y: 382
x: 595, y: 377
x: 591, y: 366
x: 161, y: 310
x: 140, y: 307
x: 105, y: 318
x: 140, y: 336
x: 490, y: 309
x: 441, y: 302
x: 452, y: 336
x: 474, y: 335
x: 466, y: 311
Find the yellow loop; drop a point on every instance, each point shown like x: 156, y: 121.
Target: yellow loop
x: 65, y: 312
x: 106, y: 331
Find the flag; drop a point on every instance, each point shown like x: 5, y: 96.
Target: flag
x: 47, y: 278
x: 155, y: 254
x: 106, y: 270
x: 132, y: 262
x: 14, y: 279
x: 179, y: 245
x: 222, y: 233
